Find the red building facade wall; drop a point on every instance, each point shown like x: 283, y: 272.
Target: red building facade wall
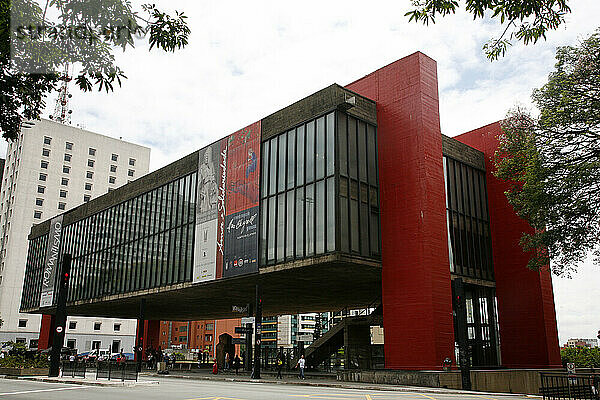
x: 526, y: 313
x: 416, y: 290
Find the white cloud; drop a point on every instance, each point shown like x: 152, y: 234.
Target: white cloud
x: 248, y: 59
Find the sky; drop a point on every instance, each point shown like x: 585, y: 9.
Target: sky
x: 246, y: 60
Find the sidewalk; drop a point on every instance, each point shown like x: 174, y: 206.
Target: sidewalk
x: 89, y: 380
x: 291, y: 378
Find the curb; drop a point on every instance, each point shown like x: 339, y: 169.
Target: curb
x: 342, y: 385
x: 80, y: 382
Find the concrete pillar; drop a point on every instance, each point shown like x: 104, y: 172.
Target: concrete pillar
x: 526, y: 313
x: 46, y: 332
x: 417, y: 297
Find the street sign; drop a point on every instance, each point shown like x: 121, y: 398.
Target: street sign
x: 242, y: 330
x: 239, y: 309
x: 247, y: 320
x: 306, y: 337
x: 571, y: 368
x: 237, y: 340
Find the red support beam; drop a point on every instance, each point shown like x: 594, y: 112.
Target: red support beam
x: 417, y: 296
x: 526, y: 313
x: 46, y: 332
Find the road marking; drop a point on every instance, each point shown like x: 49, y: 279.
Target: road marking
x: 367, y: 397
x: 42, y: 390
x: 424, y: 395
x: 215, y: 398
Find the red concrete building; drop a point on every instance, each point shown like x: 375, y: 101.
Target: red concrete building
x: 200, y: 335
x: 361, y: 196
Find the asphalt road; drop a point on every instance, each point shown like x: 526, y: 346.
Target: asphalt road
x: 184, y: 389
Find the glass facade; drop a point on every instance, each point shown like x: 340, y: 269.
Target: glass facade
x: 319, y: 194
x: 144, y: 242
x: 305, y: 200
x: 359, y: 187
x: 482, y: 326
x: 467, y: 217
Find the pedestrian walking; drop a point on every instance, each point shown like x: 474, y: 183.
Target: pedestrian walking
x: 301, y: 364
x: 226, y: 362
x: 236, y: 363
x: 279, y: 367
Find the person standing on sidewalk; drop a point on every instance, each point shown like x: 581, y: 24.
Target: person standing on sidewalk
x: 236, y: 363
x: 279, y: 367
x: 301, y: 364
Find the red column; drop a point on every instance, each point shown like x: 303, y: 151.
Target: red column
x: 152, y: 333
x: 417, y: 297
x: 46, y: 332
x: 526, y: 314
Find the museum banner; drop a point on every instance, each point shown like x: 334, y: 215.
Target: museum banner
x: 227, y: 206
x: 51, y: 261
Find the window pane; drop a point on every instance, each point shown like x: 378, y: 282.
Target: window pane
x: 364, y: 226
x: 289, y: 247
x: 271, y: 237
x: 320, y: 217
x: 344, y: 234
x: 310, y: 220
x: 374, y: 226
x: 263, y: 232
x: 352, y: 161
x: 310, y: 151
x: 330, y: 143
x: 320, y: 148
x: 331, y: 214
x: 372, y: 154
x: 280, y: 227
x: 272, y: 168
x: 300, y: 155
x: 291, y: 160
x: 300, y: 222
x: 264, y: 175
x: 362, y: 151
x: 354, y: 226
x: 343, y: 143
x: 281, y: 167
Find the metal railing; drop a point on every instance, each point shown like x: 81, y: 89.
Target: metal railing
x: 117, y: 370
x: 559, y: 386
x: 73, y: 369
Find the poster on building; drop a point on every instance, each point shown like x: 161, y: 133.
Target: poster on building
x: 51, y: 262
x: 227, y: 206
x: 206, y: 214
x: 241, y: 221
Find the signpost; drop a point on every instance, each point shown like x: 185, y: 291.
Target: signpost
x: 240, y: 309
x: 257, y: 333
x: 305, y: 337
x: 61, y: 316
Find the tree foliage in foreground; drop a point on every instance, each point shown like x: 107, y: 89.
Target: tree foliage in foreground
x: 552, y: 162
x: 582, y: 357
x: 524, y: 21
x: 34, y: 48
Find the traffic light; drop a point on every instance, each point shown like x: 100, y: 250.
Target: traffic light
x: 65, y: 274
x: 458, y: 294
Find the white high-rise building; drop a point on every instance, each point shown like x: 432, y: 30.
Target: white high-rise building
x: 51, y: 168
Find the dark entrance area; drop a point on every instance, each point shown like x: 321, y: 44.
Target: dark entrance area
x: 482, y: 325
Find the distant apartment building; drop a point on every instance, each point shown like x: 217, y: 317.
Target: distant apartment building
x: 49, y: 169
x: 197, y: 336
x: 589, y: 343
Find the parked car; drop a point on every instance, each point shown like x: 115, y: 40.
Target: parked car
x: 96, y: 355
